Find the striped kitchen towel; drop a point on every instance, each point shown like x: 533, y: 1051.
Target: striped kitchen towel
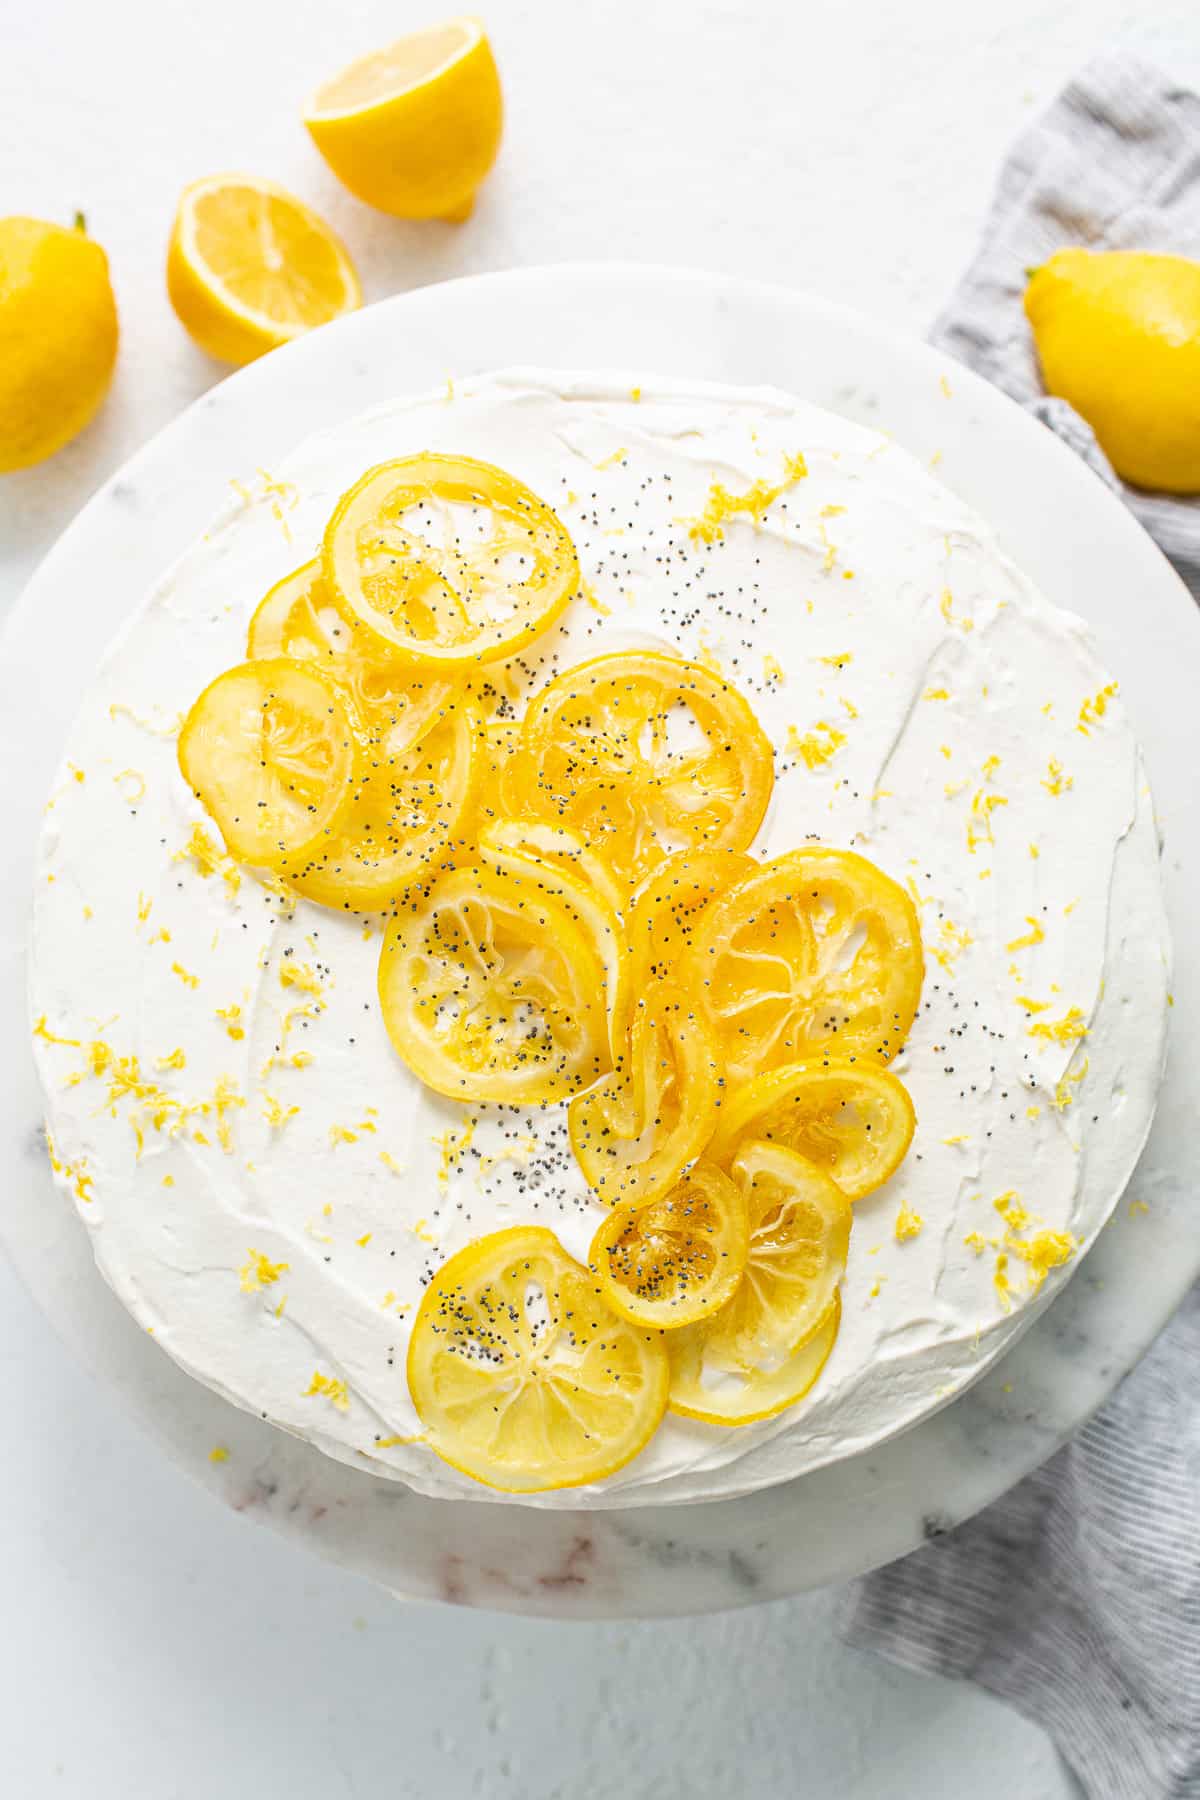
x: 1076, y: 1597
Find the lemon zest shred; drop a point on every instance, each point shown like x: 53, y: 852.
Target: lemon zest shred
x: 333, y: 1389
x: 138, y: 793
x: 909, y: 1224
x: 42, y: 1030
x: 1067, y: 1030
x: 1035, y: 935
x: 1055, y: 781
x: 303, y: 978
x: 722, y: 505
x: 276, y: 1113
x: 963, y: 622
x: 815, y: 750
x: 231, y: 1018
x: 259, y: 1272
x: 207, y: 859
x: 1094, y: 709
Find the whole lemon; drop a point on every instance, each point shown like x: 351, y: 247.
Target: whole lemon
x: 414, y: 129
x: 1118, y: 336
x: 58, y: 337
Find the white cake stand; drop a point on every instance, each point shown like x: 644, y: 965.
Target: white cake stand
x: 1058, y: 522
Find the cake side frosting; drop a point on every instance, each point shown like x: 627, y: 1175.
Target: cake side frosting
x: 268, y: 1189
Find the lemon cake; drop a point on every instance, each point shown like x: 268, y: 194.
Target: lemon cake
x: 596, y: 943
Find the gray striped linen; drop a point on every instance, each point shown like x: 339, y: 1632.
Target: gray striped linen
x: 1077, y: 1596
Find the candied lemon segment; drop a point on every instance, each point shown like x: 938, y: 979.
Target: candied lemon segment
x: 636, y: 1132
x: 679, y: 1258
x: 645, y: 755
x: 249, y: 267
x: 404, y: 820
x: 522, y: 1377
x: 492, y: 991
x: 448, y: 562
x: 818, y: 953
x: 269, y: 749
x: 732, y: 1365
x: 851, y: 1120
x: 734, y: 1397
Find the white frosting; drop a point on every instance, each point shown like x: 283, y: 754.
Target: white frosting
x: 868, y: 555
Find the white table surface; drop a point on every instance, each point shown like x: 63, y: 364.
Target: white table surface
x: 157, y: 1645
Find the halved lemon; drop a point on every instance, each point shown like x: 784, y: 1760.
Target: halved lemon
x: 414, y: 129
x: 522, y: 1377
x: 738, y: 1364
x: 677, y: 1260
x: 250, y: 267
x: 270, y: 750
x: 852, y: 1120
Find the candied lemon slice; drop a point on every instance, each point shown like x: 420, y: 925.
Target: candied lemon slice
x: 501, y: 788
x: 559, y: 865
x: 269, y: 749
x: 448, y: 562
x: 723, y: 1396
x: 679, y: 1258
x: 817, y: 953
x: 405, y: 819
x: 662, y: 913
x: 645, y: 755
x: 853, y: 1121
x: 296, y: 618
x: 799, y: 1224
x: 492, y: 990
x: 636, y: 1132
x: 393, y: 702
x: 522, y: 1377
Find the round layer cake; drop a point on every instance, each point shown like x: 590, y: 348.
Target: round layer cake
x: 270, y: 1190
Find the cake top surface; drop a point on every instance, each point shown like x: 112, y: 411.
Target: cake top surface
x: 270, y: 1190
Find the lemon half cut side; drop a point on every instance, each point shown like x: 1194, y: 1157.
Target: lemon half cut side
x: 413, y: 129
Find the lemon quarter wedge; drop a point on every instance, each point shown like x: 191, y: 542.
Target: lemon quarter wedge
x: 414, y: 129
x: 249, y: 267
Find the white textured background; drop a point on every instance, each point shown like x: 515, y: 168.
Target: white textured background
x: 154, y: 1647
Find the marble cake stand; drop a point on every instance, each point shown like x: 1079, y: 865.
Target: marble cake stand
x: 1059, y: 522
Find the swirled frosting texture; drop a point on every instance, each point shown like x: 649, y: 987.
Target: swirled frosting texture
x: 267, y: 1188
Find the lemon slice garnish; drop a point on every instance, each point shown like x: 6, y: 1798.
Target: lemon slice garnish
x: 522, y: 1377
